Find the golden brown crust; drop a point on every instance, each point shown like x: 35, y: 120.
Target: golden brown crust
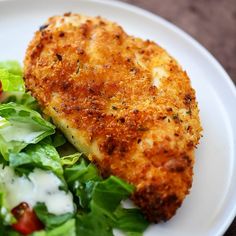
x: 123, y: 101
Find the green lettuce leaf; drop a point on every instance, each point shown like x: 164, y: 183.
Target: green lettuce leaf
x: 11, y: 82
x: 82, y: 172
x: 20, y: 98
x: 68, y: 229
x: 105, y: 197
x: 3, y: 122
x: 12, y: 67
x: 108, y: 193
x: 81, y: 179
x: 100, y: 200
x: 130, y: 220
x: 8, y: 231
x: 66, y: 149
x: 70, y: 160
x: 93, y: 223
x: 58, y: 139
x: 11, y: 76
x: 24, y: 127
x: 6, y: 218
x: 41, y: 155
x: 50, y: 220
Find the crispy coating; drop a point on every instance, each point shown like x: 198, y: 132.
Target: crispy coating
x: 123, y: 101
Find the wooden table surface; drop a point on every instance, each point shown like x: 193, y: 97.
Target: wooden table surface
x: 211, y: 22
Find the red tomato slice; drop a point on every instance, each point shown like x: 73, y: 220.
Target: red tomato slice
x: 27, y: 220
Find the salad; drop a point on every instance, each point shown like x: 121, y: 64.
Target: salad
x: 47, y: 188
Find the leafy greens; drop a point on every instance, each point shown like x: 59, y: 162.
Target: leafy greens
x: 42, y: 155
x: 20, y: 126
x: 11, y: 76
x: 28, y: 141
x: 100, y: 202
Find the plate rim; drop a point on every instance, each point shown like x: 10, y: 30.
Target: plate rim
x: 228, y: 82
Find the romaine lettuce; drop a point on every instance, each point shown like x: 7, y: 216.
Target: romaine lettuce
x: 24, y: 127
x: 50, y: 221
x: 21, y: 98
x: 58, y: 139
x: 28, y: 141
x: 41, y: 155
x: 12, y: 67
x: 100, y: 202
x: 68, y: 229
x: 6, y: 218
x: 11, y: 82
x: 130, y: 220
x: 70, y: 160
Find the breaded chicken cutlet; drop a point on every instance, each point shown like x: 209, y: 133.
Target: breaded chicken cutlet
x: 124, y: 102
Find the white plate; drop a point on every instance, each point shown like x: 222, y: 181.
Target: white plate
x: 211, y: 206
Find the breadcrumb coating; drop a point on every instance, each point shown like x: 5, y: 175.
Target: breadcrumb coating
x: 123, y: 101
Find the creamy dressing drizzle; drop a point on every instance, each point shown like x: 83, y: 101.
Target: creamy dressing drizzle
x: 39, y: 186
x: 22, y: 132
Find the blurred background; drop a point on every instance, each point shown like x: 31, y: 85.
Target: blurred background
x: 211, y: 22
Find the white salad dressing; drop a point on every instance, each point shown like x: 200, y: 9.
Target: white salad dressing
x: 39, y: 186
x: 23, y: 132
